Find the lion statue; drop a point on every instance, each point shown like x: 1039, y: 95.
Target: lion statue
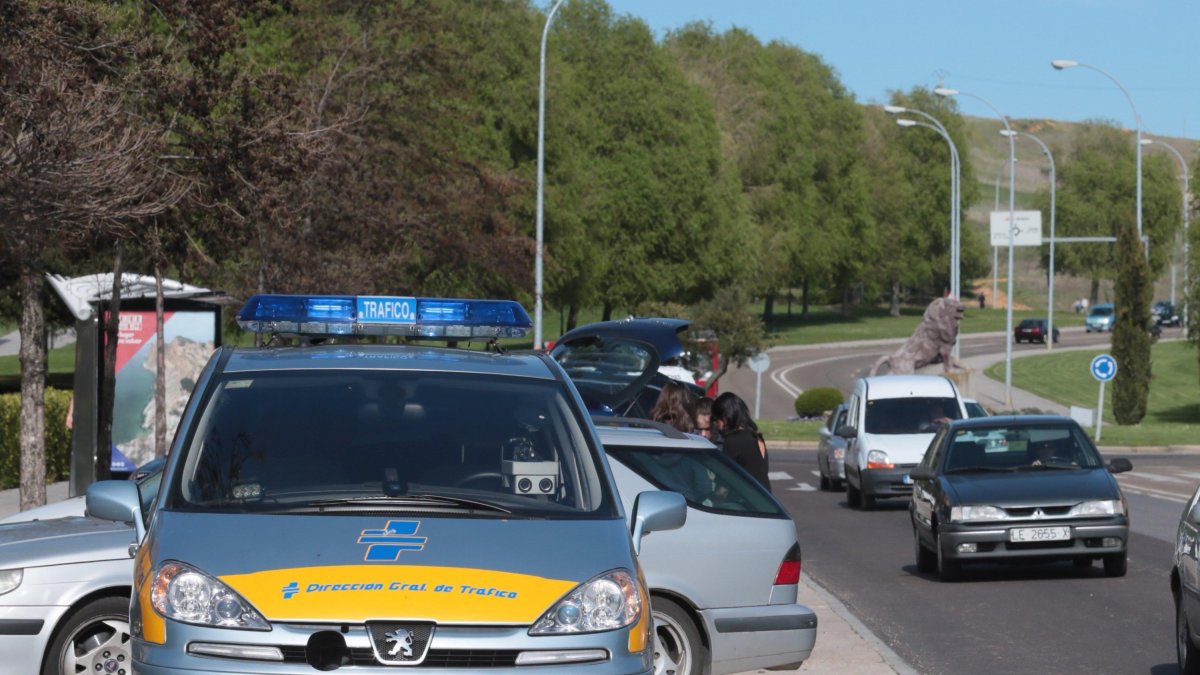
x: 934, y: 337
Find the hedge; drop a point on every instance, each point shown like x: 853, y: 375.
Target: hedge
x: 58, y: 438
x: 817, y: 401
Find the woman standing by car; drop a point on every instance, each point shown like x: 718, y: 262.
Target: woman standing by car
x: 743, y: 443
x: 675, y: 406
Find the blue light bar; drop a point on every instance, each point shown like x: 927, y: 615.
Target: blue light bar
x: 436, y: 318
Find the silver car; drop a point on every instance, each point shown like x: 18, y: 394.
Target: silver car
x: 831, y: 452
x: 723, y: 587
x: 64, y: 589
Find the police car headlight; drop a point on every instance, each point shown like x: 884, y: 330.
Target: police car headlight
x: 607, y: 602
x: 183, y: 593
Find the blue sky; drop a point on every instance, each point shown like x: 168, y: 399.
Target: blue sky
x: 1000, y: 51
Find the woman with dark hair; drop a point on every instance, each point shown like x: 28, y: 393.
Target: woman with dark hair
x: 743, y: 443
x: 675, y: 406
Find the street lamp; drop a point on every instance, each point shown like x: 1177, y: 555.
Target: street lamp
x: 955, y: 199
x: 1012, y: 218
x: 1186, y: 239
x: 541, y: 174
x: 955, y: 283
x: 1063, y: 64
x: 1050, y: 291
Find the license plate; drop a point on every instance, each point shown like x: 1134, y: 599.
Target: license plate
x: 906, y: 479
x: 1024, y: 534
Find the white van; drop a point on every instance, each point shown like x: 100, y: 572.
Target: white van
x: 891, y: 421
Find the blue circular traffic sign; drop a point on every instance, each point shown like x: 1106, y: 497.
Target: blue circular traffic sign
x: 1104, y: 367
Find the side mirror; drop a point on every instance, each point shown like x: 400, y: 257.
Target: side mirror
x: 656, y: 511
x: 921, y: 473
x: 847, y: 432
x: 117, y: 500
x: 1120, y: 465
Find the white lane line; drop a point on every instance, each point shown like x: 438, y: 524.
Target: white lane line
x: 779, y: 375
x: 803, y: 487
x: 816, y: 473
x: 1158, y: 494
x: 1158, y: 478
x: 1190, y: 474
x: 779, y: 475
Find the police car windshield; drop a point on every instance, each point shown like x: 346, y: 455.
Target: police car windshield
x: 292, y: 440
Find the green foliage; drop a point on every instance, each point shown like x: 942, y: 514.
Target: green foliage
x: 58, y: 438
x: 1131, y: 339
x: 740, y: 334
x: 817, y: 401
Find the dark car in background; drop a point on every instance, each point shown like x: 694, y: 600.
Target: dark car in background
x: 617, y: 366
x: 831, y: 451
x: 1033, y: 330
x: 996, y: 489
x: 1165, y: 313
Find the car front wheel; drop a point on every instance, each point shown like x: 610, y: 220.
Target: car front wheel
x: 926, y: 560
x: 1189, y: 658
x: 93, y: 639
x: 1115, y: 564
x: 853, y: 496
x: 678, y: 649
x: 947, y: 569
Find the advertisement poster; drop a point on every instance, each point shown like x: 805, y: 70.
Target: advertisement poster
x: 190, y: 339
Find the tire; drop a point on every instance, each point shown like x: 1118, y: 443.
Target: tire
x: 853, y: 496
x: 824, y: 483
x: 926, y: 559
x: 678, y: 649
x: 837, y: 485
x: 1115, y: 564
x: 867, y: 502
x: 1185, y: 651
x: 947, y: 570
x: 92, y: 637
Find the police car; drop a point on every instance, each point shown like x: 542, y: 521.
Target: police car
x: 333, y: 501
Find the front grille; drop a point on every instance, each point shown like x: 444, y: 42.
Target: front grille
x: 434, y: 658
x: 1027, y: 511
x: 1036, y: 545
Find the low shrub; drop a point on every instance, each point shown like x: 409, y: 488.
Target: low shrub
x: 816, y: 402
x: 58, y: 438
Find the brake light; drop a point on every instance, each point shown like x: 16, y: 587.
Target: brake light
x: 789, y: 569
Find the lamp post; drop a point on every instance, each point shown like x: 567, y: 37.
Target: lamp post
x: 1063, y: 64
x: 955, y: 199
x: 936, y: 126
x: 996, y: 249
x: 541, y: 176
x: 1012, y: 217
x: 1050, y: 291
x: 1186, y: 238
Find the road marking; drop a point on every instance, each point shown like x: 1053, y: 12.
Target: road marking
x: 803, y: 487
x: 1159, y: 494
x: 1156, y: 477
x: 1188, y: 474
x: 779, y: 375
x: 816, y: 473
x: 779, y: 475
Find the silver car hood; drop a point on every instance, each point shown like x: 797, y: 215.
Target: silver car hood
x: 63, y: 541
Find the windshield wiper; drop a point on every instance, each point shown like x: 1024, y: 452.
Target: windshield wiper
x: 411, y: 500
x: 968, y: 469
x: 1048, y: 467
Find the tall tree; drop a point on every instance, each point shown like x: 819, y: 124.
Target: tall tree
x: 1131, y: 339
x: 72, y: 161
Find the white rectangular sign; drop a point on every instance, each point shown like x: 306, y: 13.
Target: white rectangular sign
x: 1028, y: 230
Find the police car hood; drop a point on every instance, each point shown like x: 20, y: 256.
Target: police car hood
x: 353, y: 568
x: 63, y: 541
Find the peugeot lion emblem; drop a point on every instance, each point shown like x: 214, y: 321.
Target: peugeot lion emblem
x: 401, y: 641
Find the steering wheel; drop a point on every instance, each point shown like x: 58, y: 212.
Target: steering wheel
x: 478, y: 475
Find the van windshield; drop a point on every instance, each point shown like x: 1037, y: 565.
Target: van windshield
x: 914, y: 415
x: 441, y: 442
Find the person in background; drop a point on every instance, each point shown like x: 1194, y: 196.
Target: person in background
x: 743, y: 443
x: 704, y: 423
x: 675, y: 406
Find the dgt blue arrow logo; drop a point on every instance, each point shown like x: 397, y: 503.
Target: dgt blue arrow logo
x: 1104, y: 367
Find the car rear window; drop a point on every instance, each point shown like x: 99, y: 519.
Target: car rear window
x: 289, y: 440
x: 706, y: 478
x: 912, y: 415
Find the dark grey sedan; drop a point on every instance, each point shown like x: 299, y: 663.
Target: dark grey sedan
x: 831, y: 452
x: 1000, y: 488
